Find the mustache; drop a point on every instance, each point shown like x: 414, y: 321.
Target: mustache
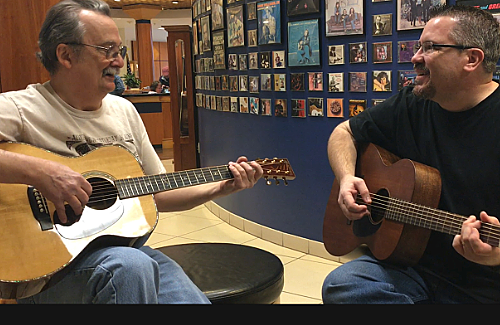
x: 111, y: 70
x: 420, y: 66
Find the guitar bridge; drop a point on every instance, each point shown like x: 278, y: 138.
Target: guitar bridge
x: 39, y: 208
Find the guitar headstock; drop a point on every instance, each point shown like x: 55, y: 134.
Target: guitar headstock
x: 277, y: 169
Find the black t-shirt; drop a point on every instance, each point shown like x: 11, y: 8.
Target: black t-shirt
x: 464, y: 147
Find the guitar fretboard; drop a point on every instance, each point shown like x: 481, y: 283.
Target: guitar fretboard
x: 429, y: 218
x: 132, y: 187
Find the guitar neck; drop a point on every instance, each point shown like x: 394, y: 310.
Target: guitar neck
x: 144, y: 185
x: 429, y: 218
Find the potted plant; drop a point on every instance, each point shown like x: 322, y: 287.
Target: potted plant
x: 131, y: 80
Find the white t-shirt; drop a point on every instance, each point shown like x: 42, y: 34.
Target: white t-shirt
x: 38, y: 116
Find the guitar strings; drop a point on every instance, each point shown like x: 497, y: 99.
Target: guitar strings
x: 439, y: 218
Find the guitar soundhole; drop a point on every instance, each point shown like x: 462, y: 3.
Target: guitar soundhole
x: 104, y: 193
x: 369, y: 225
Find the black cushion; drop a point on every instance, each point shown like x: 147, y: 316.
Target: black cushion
x: 229, y: 273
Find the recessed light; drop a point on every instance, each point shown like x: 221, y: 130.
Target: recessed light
x: 175, y: 2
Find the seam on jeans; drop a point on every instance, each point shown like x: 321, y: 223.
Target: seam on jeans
x: 110, y: 274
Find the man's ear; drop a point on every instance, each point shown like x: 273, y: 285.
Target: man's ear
x: 65, y: 55
x: 475, y: 58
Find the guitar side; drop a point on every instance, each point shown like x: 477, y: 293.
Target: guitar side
x: 388, y: 240
x: 30, y: 256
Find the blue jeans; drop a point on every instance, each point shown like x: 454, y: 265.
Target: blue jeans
x: 367, y: 280
x: 123, y: 275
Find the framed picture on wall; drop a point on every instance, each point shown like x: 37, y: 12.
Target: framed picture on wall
x: 357, y: 82
x: 195, y: 38
x: 219, y: 50
x: 382, y: 25
x: 266, y: 106
x: 406, y: 50
x: 336, y: 54
x: 269, y: 22
x: 217, y: 14
x: 344, y: 17
x: 336, y: 82
x: 315, y: 80
x: 251, y: 10
x: 414, y: 14
x: 235, y: 26
x: 205, y: 33
x: 298, y: 108
x: 301, y: 7
x: 382, y: 52
x: 335, y: 107
x: 303, y: 43
x: 357, y: 52
x: 297, y: 81
x: 382, y: 80
x: 315, y: 106
x: 356, y: 106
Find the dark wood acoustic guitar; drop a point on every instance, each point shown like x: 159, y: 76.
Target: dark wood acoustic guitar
x: 403, y: 211
x: 35, y: 248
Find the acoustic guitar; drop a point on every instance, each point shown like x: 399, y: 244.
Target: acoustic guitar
x: 403, y: 211
x: 36, y: 249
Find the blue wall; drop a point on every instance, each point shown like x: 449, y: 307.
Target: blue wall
x: 299, y: 208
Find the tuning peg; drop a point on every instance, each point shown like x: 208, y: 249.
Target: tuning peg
x: 276, y: 180
x: 285, y: 181
x: 268, y: 182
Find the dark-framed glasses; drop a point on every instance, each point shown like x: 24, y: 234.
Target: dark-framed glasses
x: 429, y: 47
x: 111, y: 51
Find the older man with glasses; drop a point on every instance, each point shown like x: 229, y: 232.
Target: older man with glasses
x: 73, y: 114
x: 448, y: 120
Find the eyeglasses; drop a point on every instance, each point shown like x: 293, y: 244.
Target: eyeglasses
x: 111, y: 51
x: 429, y: 47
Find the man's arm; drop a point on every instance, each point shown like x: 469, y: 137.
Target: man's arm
x: 58, y: 183
x: 246, y: 174
x: 342, y: 155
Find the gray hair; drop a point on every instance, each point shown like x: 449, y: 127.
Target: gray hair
x: 475, y: 28
x: 62, y: 25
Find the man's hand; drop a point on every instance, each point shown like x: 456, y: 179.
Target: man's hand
x: 60, y: 184
x: 245, y: 173
x: 350, y: 186
x: 469, y: 245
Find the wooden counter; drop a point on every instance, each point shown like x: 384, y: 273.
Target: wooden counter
x: 155, y: 112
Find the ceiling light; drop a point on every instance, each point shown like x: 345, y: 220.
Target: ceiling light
x: 175, y: 2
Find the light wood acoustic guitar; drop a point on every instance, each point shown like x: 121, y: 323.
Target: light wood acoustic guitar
x: 35, y: 248
x: 403, y: 211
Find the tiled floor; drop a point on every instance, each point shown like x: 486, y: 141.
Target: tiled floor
x: 304, y: 273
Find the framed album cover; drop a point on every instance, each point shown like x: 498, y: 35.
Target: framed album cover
x: 406, y: 50
x: 278, y: 59
x: 252, y: 38
x: 244, y: 105
x: 280, y: 108
x: 243, y: 62
x: 234, y: 104
x: 265, y: 60
x: 224, y: 82
x: 357, y: 82
x: 335, y: 107
x: 235, y: 26
x: 298, y: 108
x: 195, y: 37
x: 344, y: 18
x: 315, y: 106
x: 303, y: 43
x: 336, y: 54
x: 336, y: 82
x: 382, y: 25
x: 265, y: 82
x: 217, y: 14
x: 381, y: 80
x: 205, y: 33
x: 243, y: 82
x: 233, y: 83
x: 406, y: 78
x: 382, y: 52
x: 225, y: 103
x: 269, y: 22
x: 315, y: 80
x: 301, y: 7
x: 232, y: 61
x: 357, y: 52
x: 279, y: 82
x: 297, y: 82
x: 251, y: 10
x: 254, y: 105
x: 265, y: 104
x: 219, y: 50
x: 253, y: 61
x: 356, y: 106
x: 253, y: 84
x: 414, y: 14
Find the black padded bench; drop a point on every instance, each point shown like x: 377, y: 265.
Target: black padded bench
x: 229, y: 273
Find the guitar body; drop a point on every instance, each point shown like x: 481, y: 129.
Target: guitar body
x: 30, y: 256
x: 388, y: 176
